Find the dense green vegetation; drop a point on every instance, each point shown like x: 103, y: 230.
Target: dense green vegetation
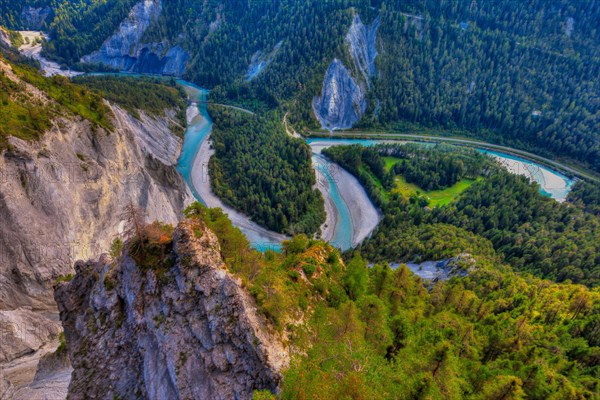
x: 152, y: 95
x: 387, y: 168
x: 260, y: 170
x: 524, y: 77
x: 80, y: 27
x: 532, y: 232
x: 10, y: 12
x: 310, y: 32
x: 27, y: 116
x: 367, y: 333
x: 514, y: 76
x: 586, y: 194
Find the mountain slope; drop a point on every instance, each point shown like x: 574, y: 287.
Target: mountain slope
x: 62, y: 190
x: 181, y: 305
x: 492, y: 70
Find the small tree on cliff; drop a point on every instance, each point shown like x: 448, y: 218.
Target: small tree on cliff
x: 135, y: 224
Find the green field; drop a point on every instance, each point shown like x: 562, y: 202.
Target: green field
x: 436, y: 197
x: 389, y: 162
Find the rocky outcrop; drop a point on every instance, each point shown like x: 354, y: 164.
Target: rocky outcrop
x: 6, y: 388
x: 51, y: 380
x: 185, y: 331
x: 434, y: 271
x: 34, y: 18
x: 260, y: 60
x: 362, y: 46
x: 343, y: 99
x: 4, y: 38
x: 44, y: 374
x: 125, y: 50
x: 61, y: 198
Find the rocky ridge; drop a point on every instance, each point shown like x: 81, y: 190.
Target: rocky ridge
x: 191, y: 331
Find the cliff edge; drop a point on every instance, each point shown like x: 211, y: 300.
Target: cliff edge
x: 180, y: 329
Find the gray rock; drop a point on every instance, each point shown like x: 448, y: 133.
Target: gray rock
x: 260, y: 60
x: 362, y: 45
x: 342, y: 101
x: 23, y: 331
x: 34, y: 18
x: 51, y: 380
x: 190, y: 332
x: 6, y: 388
x: 4, y: 39
x: 125, y: 50
x: 52, y: 363
x: 61, y: 198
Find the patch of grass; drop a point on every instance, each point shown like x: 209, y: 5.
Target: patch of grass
x: 64, y: 278
x: 443, y: 197
x: 437, y: 198
x: 390, y: 162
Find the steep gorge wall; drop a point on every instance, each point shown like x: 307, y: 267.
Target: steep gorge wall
x: 126, y: 51
x: 61, y: 199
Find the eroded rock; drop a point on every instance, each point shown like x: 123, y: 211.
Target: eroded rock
x: 187, y: 332
x: 342, y: 101
x: 126, y: 51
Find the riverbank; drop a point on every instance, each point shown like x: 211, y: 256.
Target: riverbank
x: 351, y: 216
x: 193, y: 165
x: 552, y: 183
x: 332, y: 217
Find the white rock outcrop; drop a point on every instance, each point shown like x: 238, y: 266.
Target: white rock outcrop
x: 343, y: 99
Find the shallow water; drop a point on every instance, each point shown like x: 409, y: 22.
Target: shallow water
x: 344, y: 231
x: 197, y: 131
x: 552, y: 183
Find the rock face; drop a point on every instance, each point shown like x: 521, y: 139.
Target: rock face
x: 125, y: 50
x: 34, y: 18
x: 51, y: 380
x: 190, y: 332
x: 61, y: 198
x: 460, y: 265
x: 362, y: 45
x: 23, y: 331
x: 260, y: 60
x: 343, y: 98
x: 4, y: 39
x: 342, y: 101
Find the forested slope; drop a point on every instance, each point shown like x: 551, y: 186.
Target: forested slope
x: 260, y: 170
x: 377, y: 333
x: 531, y: 232
x: 521, y: 76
